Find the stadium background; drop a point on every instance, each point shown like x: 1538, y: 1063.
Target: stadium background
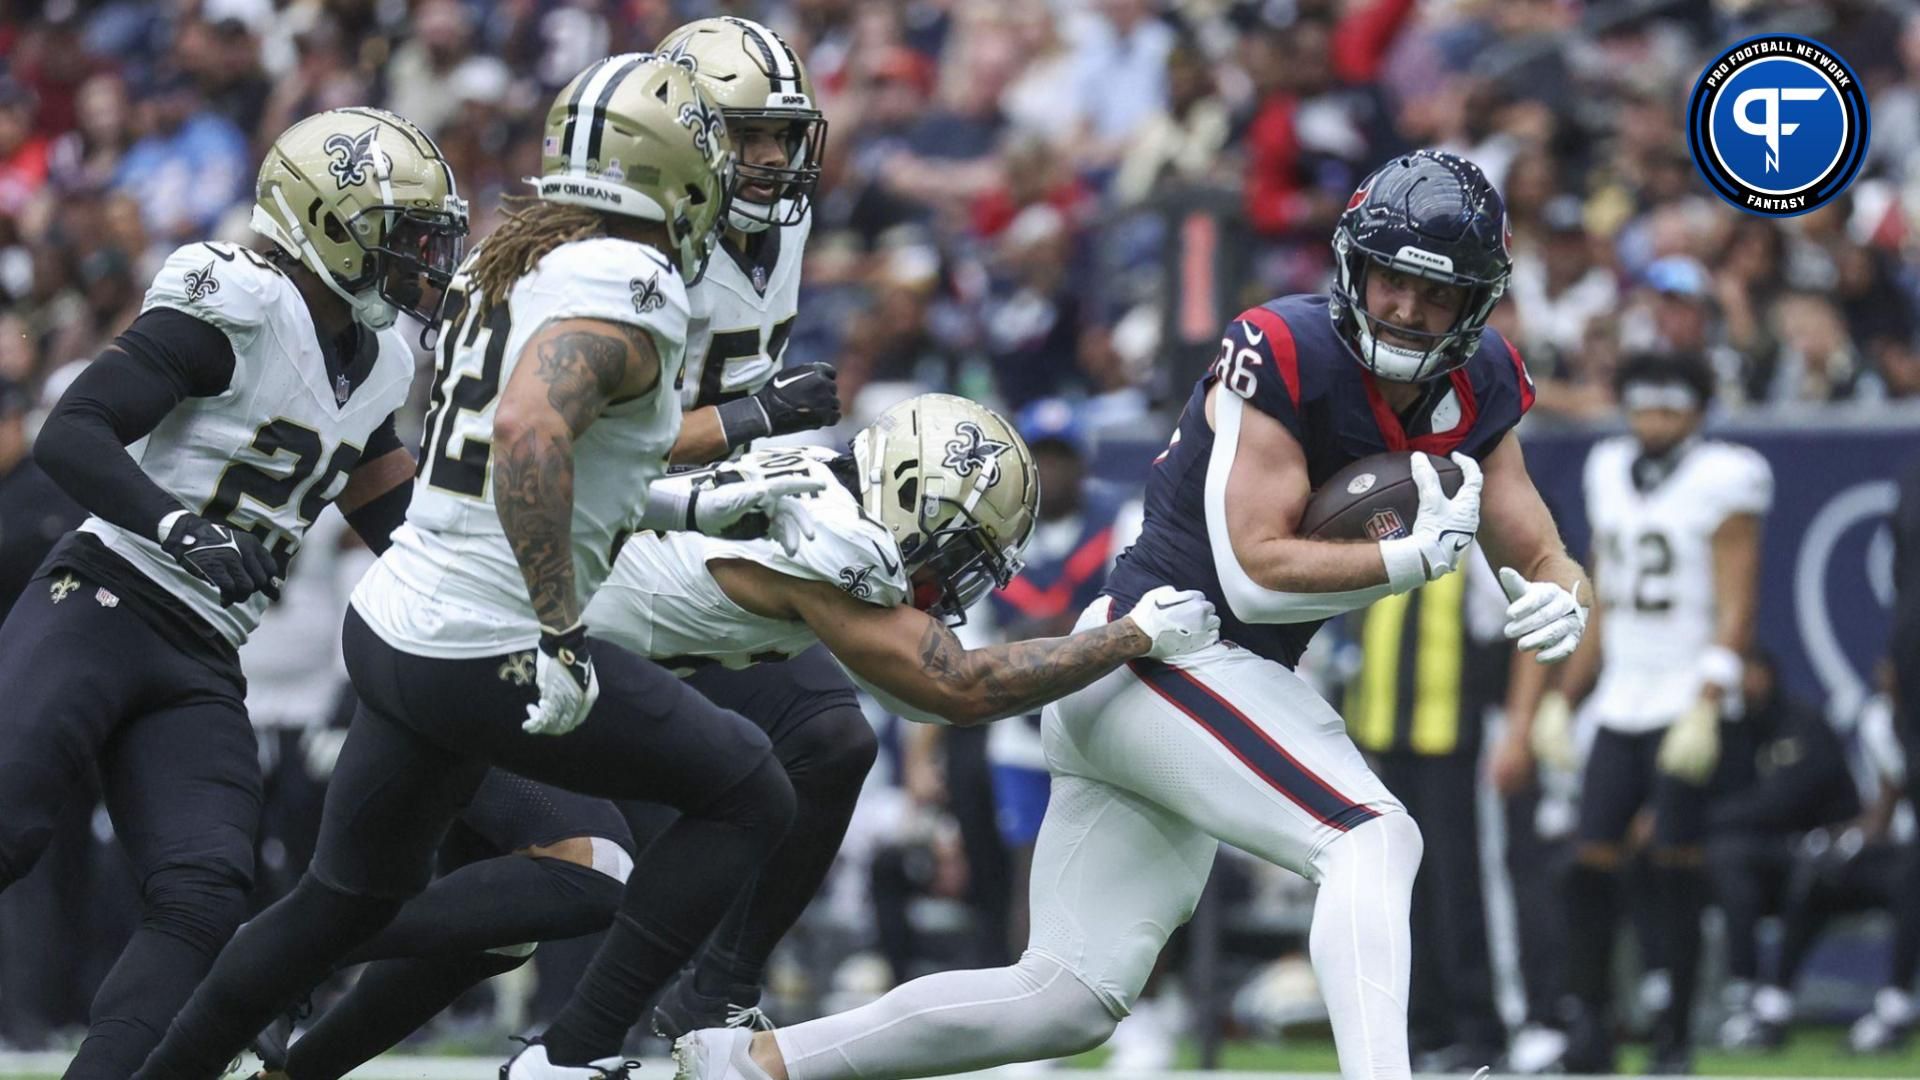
x: 1026, y: 201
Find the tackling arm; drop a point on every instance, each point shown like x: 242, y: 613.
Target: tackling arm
x: 577, y: 367
x: 914, y: 657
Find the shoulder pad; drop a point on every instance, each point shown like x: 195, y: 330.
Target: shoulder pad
x: 615, y: 280
x: 1259, y: 360
x: 229, y: 286
x: 1735, y: 478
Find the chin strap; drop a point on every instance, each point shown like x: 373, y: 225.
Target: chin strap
x: 370, y: 309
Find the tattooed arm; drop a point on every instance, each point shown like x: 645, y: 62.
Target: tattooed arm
x: 912, y: 656
x: 568, y: 373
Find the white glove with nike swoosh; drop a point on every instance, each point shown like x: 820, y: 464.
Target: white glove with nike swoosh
x: 731, y: 504
x: 1442, y: 531
x: 1176, y: 621
x: 1542, y: 618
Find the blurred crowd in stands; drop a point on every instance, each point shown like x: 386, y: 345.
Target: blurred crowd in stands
x: 1021, y: 201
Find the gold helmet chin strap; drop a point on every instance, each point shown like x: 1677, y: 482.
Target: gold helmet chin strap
x: 372, y: 311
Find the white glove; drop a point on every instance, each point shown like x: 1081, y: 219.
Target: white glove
x: 1176, y: 621
x: 1552, y: 736
x: 1691, y: 747
x: 563, y: 670
x: 1542, y: 618
x: 733, y: 505
x: 1443, y: 530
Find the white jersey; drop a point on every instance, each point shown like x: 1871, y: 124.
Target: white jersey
x: 662, y: 603
x: 742, y: 314
x: 450, y: 585
x: 272, y: 450
x: 1653, y: 563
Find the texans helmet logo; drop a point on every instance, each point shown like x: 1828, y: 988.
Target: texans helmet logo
x: 970, y: 450
x: 1359, y: 197
x: 355, y: 157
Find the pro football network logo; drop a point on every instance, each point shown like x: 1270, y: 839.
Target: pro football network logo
x: 1778, y: 125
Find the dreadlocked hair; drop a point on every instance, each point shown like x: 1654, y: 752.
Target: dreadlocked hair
x: 532, y: 228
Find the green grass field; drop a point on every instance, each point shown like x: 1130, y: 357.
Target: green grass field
x: 1812, y: 1053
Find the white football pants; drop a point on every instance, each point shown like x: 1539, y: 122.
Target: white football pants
x: 1153, y: 766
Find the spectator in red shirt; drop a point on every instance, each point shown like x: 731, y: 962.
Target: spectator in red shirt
x: 23, y: 154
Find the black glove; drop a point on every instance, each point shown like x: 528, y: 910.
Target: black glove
x: 797, y: 399
x: 229, y: 559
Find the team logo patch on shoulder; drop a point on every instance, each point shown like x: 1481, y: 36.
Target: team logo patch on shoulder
x: 853, y: 580
x: 1777, y: 125
x: 970, y: 451
x: 646, y: 294
x: 62, y: 587
x: 200, y: 284
x: 355, y: 157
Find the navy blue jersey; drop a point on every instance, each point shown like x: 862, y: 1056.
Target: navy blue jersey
x: 1285, y: 359
x: 1054, y: 583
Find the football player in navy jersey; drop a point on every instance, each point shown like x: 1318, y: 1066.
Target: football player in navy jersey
x: 1156, y: 763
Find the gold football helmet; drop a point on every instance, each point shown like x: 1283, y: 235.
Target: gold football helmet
x: 756, y: 77
x: 956, y: 486
x: 635, y: 135
x: 364, y: 199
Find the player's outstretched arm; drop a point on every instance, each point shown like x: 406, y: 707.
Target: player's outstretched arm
x: 1257, y: 490
x: 1548, y: 592
x: 912, y: 656
x: 798, y: 399
x: 568, y: 372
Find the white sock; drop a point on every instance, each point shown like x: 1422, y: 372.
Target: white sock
x: 951, y: 1022
x: 1361, y: 943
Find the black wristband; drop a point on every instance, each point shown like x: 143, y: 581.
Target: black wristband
x: 743, y: 420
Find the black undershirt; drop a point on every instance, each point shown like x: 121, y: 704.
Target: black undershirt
x: 165, y: 357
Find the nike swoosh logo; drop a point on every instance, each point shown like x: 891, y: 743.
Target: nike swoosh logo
x: 781, y: 382
x: 1164, y: 607
x: 892, y: 567
x: 1255, y: 335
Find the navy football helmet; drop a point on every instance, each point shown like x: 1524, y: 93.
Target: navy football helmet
x: 1433, y: 215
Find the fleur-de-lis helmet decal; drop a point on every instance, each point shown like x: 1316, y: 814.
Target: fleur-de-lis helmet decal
x: 356, y: 158
x: 366, y: 201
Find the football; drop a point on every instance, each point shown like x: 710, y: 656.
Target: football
x: 1372, y: 499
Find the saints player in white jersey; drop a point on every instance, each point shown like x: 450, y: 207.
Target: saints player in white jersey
x: 552, y: 417
x: 697, y: 603
x: 1676, y: 525
x: 250, y: 393
x: 736, y: 391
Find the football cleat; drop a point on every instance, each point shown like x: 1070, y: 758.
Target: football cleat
x: 531, y: 1064
x: 683, y: 1008
x: 716, y: 1054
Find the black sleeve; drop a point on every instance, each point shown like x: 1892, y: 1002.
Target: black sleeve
x: 164, y: 358
x: 375, y: 521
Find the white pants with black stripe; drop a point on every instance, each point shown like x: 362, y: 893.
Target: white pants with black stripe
x: 1153, y: 766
